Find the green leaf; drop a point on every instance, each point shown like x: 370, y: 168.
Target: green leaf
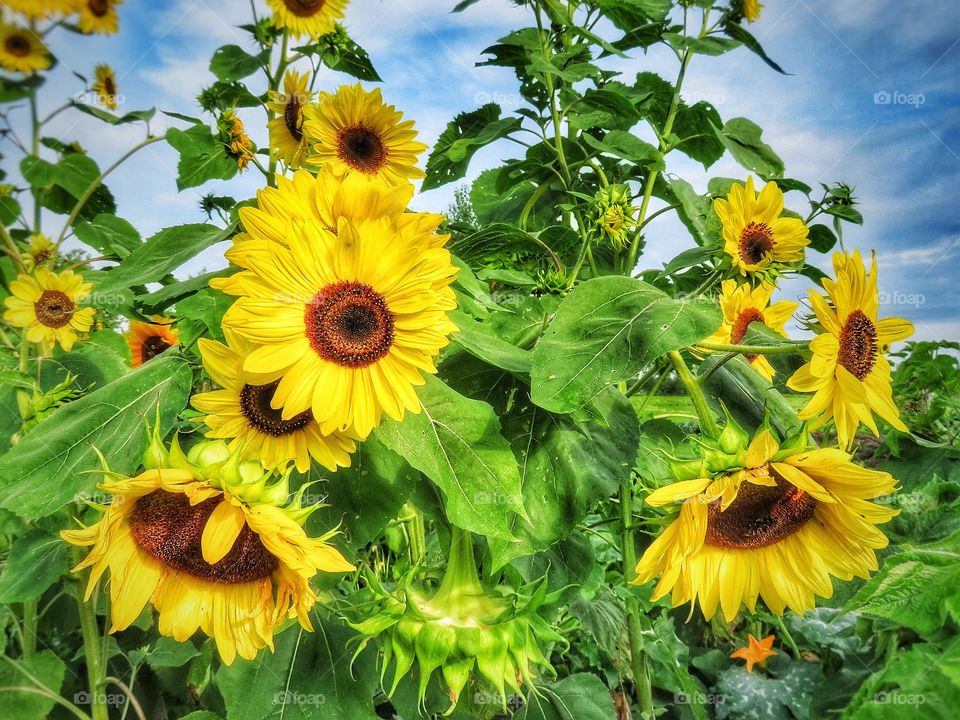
x: 822, y: 238
x: 845, y: 212
x: 605, y: 331
x: 202, y: 314
x: 231, y: 62
x: 202, y: 156
x: 742, y: 138
x: 9, y: 210
x: 758, y: 696
x: 108, y: 117
x: 12, y: 90
x: 53, y: 464
x: 738, y: 32
x: 100, y: 359
x: 456, y: 442
x: 167, y: 652
x: 602, y: 108
x: 916, y: 588
x: 161, y: 254
x: 696, y: 212
x: 479, y: 340
x: 344, y: 56
x: 108, y: 234
x: 36, y: 561
x: 576, y: 697
x: 44, y: 672
x: 168, y: 295
x: 622, y: 144
x: 466, y: 134
x: 567, y: 466
x: 309, y: 677
x: 694, y: 129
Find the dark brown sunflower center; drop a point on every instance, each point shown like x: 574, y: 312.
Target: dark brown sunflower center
x: 760, y: 516
x: 17, y: 45
x: 40, y: 257
x: 54, y: 309
x: 99, y: 7
x: 255, y: 406
x: 109, y: 87
x: 349, y: 324
x: 153, y: 346
x: 169, y: 528
x: 756, y: 241
x: 740, y: 327
x: 858, y: 345
x: 304, y: 8
x: 362, y: 149
x: 292, y: 118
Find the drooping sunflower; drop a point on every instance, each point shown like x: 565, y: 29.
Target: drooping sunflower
x: 41, y: 9
x: 286, y: 129
x: 849, y: 373
x: 211, y: 543
x: 99, y: 16
x: 751, y: 10
x: 307, y: 17
x: 241, y: 412
x: 40, y: 253
x: 22, y: 51
x: 46, y: 305
x: 743, y: 306
x: 105, y: 86
x: 350, y: 319
x: 756, y: 236
x: 147, y: 340
x: 323, y: 200
x: 234, y: 136
x: 355, y: 131
x: 777, y: 527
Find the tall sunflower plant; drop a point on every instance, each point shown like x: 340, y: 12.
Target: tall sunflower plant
x: 390, y: 463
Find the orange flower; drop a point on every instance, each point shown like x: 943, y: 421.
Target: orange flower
x: 756, y: 651
x: 147, y: 340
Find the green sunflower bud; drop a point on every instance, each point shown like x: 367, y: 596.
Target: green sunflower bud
x: 613, y: 215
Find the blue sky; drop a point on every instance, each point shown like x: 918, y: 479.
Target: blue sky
x: 902, y: 156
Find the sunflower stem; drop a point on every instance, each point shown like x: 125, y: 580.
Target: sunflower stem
x: 706, y: 418
x: 96, y: 669
x: 29, y: 629
x: 638, y: 658
x: 787, y: 637
x: 793, y: 347
x: 461, y: 577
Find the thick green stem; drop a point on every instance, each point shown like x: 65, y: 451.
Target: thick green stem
x: 29, y: 629
x: 793, y: 347
x: 96, y: 666
x: 638, y: 658
x: 461, y: 577
x: 705, y: 416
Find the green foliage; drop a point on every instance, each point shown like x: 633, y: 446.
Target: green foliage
x: 202, y: 156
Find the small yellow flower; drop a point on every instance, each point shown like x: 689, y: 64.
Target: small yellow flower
x: 21, y: 50
x: 743, y: 306
x: 239, y: 144
x: 849, y: 373
x: 98, y: 16
x: 105, y: 86
x: 45, y: 305
x: 756, y: 236
x: 756, y: 652
x: 41, y: 252
x: 751, y: 10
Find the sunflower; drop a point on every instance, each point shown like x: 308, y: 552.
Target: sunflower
x: 354, y: 131
x: 99, y: 16
x: 286, y: 129
x: 323, y: 200
x: 41, y: 252
x: 743, y: 306
x: 751, y: 10
x: 242, y: 411
x: 210, y: 544
x: 778, y: 526
x: 41, y: 9
x: 147, y: 340
x: 350, y: 319
x: 239, y: 145
x: 106, y: 86
x: 22, y: 51
x: 46, y: 305
x: 849, y: 373
x: 307, y: 17
x: 756, y: 237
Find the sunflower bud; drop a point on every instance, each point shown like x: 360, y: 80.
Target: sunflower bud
x: 614, y: 215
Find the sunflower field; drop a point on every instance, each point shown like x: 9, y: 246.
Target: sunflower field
x: 479, y: 464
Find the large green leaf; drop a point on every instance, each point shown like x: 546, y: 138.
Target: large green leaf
x: 567, y: 466
x: 576, y: 697
x: 919, y: 587
x: 231, y: 62
x: 605, y: 332
x: 202, y: 156
x: 57, y: 463
x: 36, y: 561
x: 456, y: 442
x: 742, y: 138
x: 308, y: 677
x: 108, y: 234
x: 43, y: 675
